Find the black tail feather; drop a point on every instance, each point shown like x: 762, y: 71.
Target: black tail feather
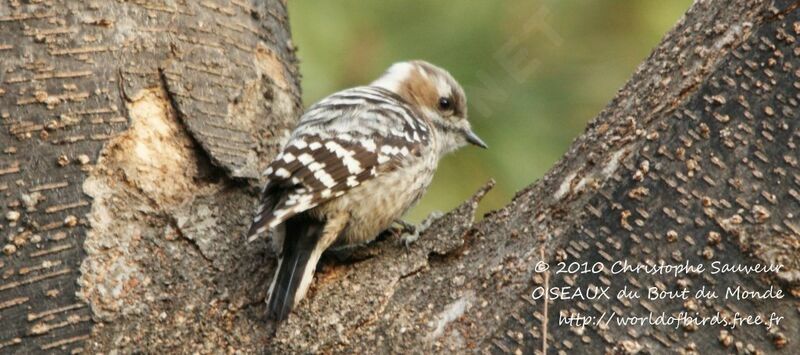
x: 269, y: 199
x: 302, y: 235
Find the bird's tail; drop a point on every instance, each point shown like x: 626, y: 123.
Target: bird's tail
x: 296, y: 265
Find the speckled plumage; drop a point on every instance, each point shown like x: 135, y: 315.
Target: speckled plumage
x: 357, y: 161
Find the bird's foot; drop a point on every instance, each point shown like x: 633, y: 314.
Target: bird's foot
x: 406, y: 227
x: 409, y: 233
x: 409, y: 239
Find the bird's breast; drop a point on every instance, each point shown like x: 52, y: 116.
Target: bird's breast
x: 375, y: 204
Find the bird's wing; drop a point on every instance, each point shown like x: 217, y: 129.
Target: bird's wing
x: 342, y: 141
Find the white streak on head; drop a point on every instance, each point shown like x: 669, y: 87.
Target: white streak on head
x: 443, y: 88
x: 394, y: 76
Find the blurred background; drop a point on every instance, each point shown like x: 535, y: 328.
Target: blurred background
x: 535, y: 72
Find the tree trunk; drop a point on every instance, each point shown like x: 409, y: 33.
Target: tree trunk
x: 127, y: 130
x: 133, y: 134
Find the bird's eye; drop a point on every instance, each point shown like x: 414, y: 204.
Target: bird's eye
x: 445, y: 104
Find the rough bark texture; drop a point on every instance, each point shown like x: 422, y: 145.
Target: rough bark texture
x: 124, y: 124
x: 696, y: 160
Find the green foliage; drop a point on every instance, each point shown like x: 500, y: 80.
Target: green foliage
x: 534, y: 71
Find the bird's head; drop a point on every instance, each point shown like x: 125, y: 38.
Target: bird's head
x: 434, y: 92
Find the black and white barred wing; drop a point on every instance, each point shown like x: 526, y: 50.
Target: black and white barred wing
x: 346, y: 139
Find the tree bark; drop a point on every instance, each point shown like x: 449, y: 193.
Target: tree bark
x: 133, y: 133
x: 128, y: 129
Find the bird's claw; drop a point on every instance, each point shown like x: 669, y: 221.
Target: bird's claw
x: 410, y: 238
x: 408, y: 233
x: 406, y: 227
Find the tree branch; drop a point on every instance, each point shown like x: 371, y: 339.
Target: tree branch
x: 135, y: 180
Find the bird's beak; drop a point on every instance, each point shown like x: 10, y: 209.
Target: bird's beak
x: 473, y: 139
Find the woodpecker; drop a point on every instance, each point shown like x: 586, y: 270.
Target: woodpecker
x: 356, y: 162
